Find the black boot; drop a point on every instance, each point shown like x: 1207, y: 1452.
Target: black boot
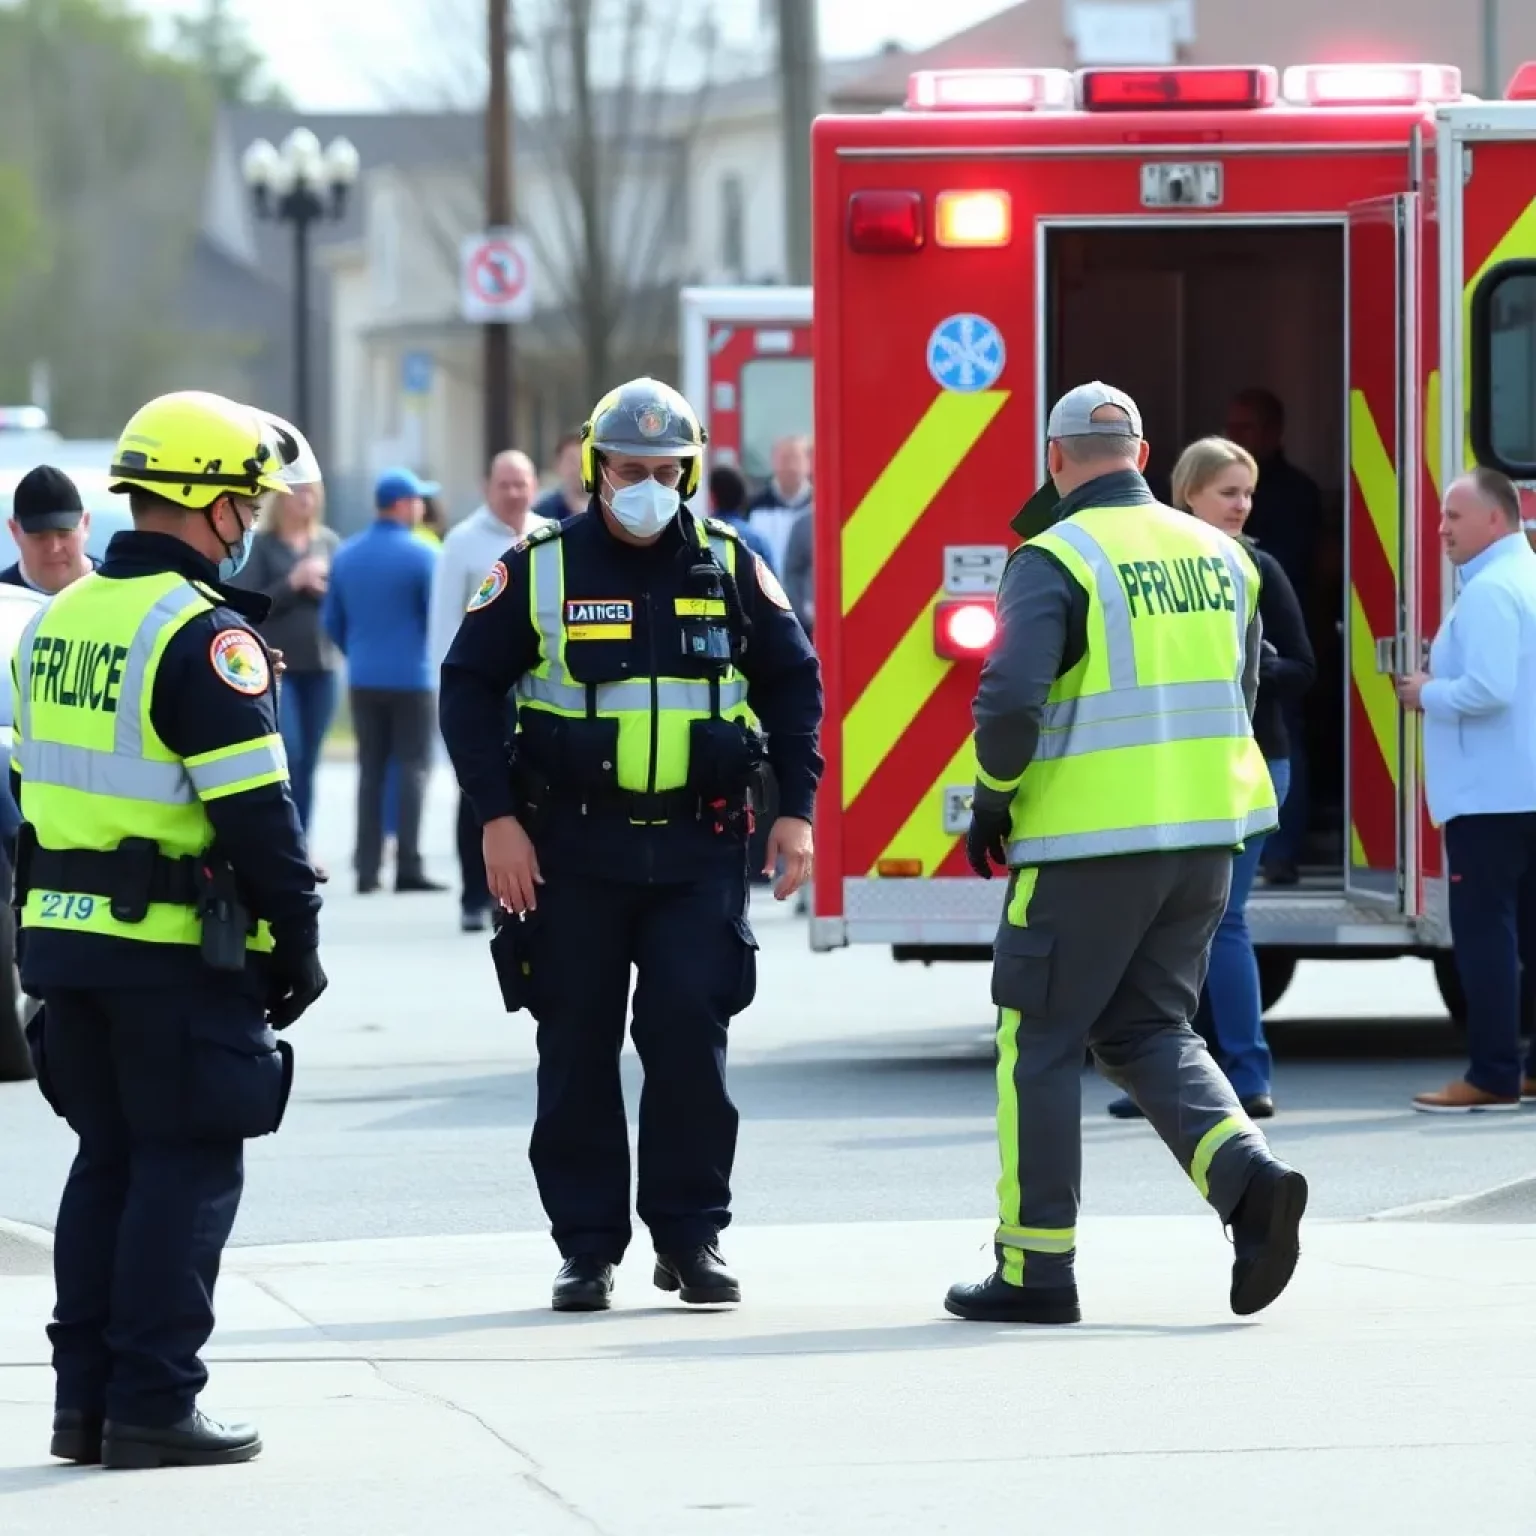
x: 1265, y: 1228
x: 993, y: 1300
x: 76, y: 1437
x: 698, y: 1274
x: 197, y: 1441
x: 584, y: 1284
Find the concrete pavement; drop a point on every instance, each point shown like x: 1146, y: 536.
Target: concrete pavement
x: 411, y: 1378
x: 411, y: 1385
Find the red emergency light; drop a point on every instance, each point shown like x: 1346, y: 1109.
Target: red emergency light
x: 881, y: 222
x: 1201, y: 87
x: 989, y: 90
x: 964, y: 628
x: 1370, y: 85
x: 1523, y: 86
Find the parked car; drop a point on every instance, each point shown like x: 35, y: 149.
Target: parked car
x: 17, y: 605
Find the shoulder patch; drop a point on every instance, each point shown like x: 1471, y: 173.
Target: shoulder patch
x: 540, y: 536
x: 768, y: 583
x: 490, y: 589
x: 723, y: 529
x: 239, y: 662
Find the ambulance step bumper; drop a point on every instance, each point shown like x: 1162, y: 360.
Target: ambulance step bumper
x: 962, y: 912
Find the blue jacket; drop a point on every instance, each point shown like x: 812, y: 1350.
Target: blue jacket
x: 377, y: 604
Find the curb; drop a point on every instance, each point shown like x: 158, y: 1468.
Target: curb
x: 1428, y: 1210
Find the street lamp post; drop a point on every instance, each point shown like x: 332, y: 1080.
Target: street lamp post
x: 300, y: 184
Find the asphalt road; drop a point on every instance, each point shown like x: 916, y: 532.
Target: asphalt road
x: 865, y: 1089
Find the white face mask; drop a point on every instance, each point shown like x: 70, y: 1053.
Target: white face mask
x: 644, y: 509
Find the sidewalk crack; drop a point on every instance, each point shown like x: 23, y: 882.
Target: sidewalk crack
x: 533, y: 1473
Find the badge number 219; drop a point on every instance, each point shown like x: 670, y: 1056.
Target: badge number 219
x: 71, y: 908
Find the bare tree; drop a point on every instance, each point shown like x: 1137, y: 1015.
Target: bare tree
x: 610, y: 98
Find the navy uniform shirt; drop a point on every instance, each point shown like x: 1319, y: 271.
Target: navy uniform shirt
x: 497, y: 644
x: 194, y: 710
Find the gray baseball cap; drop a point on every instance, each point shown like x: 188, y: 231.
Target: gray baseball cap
x: 1072, y: 415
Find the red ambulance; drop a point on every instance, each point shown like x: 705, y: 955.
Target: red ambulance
x: 1358, y: 239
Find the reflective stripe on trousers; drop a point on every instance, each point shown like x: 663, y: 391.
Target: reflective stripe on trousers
x: 124, y: 772
x: 555, y: 686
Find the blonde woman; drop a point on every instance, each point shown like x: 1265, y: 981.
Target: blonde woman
x: 290, y: 563
x: 1214, y: 480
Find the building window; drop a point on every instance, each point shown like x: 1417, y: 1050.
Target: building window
x: 733, y: 224
x: 1503, y: 415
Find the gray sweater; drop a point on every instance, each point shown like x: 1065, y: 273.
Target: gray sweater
x: 293, y: 626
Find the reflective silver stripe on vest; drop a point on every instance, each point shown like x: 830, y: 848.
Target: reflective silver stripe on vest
x: 561, y: 691
x: 260, y: 759
x: 104, y: 773
x: 1112, y: 602
x: 1167, y: 837
x: 124, y: 772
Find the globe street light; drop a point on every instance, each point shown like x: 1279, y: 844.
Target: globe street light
x: 300, y: 184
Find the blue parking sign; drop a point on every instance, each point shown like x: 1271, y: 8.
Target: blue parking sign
x: 416, y: 373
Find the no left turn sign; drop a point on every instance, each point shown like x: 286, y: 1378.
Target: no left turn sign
x: 495, y: 277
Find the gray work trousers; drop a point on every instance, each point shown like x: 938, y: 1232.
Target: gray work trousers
x: 1110, y: 955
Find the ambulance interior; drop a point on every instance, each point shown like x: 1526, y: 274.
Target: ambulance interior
x: 1186, y: 318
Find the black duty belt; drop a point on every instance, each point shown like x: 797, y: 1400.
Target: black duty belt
x: 128, y: 875
x: 664, y: 805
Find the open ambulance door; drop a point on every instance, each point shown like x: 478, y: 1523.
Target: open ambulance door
x: 1487, y: 322
x: 746, y: 369
x: 1382, y: 636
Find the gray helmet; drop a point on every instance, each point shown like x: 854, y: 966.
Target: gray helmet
x: 648, y: 418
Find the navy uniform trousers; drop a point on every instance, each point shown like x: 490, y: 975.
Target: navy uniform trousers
x: 695, y: 965
x: 162, y: 1087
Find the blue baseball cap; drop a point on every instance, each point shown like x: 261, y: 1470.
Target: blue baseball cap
x: 398, y: 484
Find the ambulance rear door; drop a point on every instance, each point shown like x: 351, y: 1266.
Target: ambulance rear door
x: 1382, y: 631
x: 1486, y: 391
x: 746, y: 368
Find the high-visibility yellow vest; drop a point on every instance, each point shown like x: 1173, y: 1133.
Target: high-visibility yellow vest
x: 94, y: 772
x: 1146, y: 743
x: 674, y: 702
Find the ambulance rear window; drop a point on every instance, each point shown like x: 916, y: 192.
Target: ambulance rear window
x: 775, y: 402
x: 1503, y: 415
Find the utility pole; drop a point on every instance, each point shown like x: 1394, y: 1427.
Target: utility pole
x: 1493, y: 84
x: 498, y: 215
x: 799, y: 102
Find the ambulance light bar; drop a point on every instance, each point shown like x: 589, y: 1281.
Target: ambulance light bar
x: 1370, y: 85
x: 973, y: 218
x: 1180, y: 90
x: 882, y: 222
x: 965, y: 629
x: 994, y: 90
x: 1523, y: 86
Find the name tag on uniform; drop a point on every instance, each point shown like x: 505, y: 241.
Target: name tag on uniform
x: 699, y: 607
x: 599, y: 619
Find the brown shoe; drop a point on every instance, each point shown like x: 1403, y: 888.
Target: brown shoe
x: 1461, y: 1098
x: 1528, y: 1091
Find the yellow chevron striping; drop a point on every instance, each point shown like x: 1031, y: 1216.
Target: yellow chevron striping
x: 1356, y: 849
x: 1376, y: 691
x: 896, y: 693
x: 1377, y: 475
x: 922, y: 835
x: 1432, y: 430
x: 950, y: 428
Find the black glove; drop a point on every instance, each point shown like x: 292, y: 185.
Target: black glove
x: 986, y: 841
x: 296, y: 981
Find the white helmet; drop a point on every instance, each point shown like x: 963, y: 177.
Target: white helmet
x: 300, y: 466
